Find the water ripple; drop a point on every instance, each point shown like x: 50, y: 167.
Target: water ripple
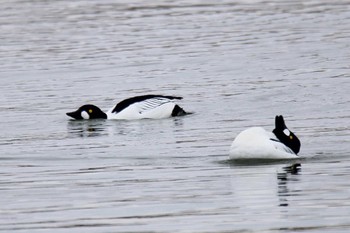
x: 236, y: 63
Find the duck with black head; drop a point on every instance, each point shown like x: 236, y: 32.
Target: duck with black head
x: 138, y: 107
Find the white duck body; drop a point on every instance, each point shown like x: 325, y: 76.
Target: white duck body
x: 140, y: 111
x: 145, y: 107
x: 257, y: 143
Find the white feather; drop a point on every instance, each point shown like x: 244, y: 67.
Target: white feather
x: 154, y: 108
x: 286, y: 132
x: 85, y: 115
x: 151, y: 104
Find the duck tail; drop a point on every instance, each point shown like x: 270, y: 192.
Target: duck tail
x: 178, y: 111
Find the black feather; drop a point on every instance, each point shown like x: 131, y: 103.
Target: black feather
x: 292, y: 141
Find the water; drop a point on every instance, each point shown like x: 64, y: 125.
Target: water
x: 236, y: 63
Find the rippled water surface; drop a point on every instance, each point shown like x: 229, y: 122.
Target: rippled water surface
x: 236, y: 63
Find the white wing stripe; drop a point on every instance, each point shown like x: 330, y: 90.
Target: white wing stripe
x: 150, y: 104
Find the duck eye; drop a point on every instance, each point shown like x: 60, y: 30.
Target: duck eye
x: 90, y: 110
x: 291, y: 137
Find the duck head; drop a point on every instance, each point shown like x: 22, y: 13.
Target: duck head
x: 87, y: 111
x: 286, y: 136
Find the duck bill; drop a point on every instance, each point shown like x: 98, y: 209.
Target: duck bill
x: 75, y: 115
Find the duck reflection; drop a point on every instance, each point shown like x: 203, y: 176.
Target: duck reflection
x: 92, y: 128
x: 98, y: 127
x: 287, y: 174
x: 258, y: 185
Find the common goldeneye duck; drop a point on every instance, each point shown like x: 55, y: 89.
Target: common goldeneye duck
x: 257, y: 143
x: 138, y: 107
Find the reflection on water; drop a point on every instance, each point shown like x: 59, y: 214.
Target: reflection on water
x: 99, y: 127
x: 282, y: 181
x: 259, y: 181
x: 293, y: 169
x: 90, y: 128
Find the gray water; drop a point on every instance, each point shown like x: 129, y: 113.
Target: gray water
x: 236, y: 63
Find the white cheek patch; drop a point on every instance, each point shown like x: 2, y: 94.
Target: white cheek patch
x: 286, y: 132
x: 85, y: 115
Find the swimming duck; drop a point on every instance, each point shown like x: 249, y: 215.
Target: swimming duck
x: 138, y: 107
x: 257, y: 143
